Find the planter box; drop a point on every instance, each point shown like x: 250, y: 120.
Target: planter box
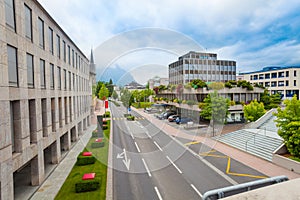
x: 284, y: 162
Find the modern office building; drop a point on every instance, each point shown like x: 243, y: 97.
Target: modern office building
x: 203, y: 66
x: 45, y: 95
x: 279, y: 79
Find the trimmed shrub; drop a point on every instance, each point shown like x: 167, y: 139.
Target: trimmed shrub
x: 126, y: 115
x: 87, y: 185
x: 97, y: 144
x: 95, y: 134
x: 85, y: 160
x: 130, y: 118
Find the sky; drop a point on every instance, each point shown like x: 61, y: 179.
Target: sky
x: 143, y: 37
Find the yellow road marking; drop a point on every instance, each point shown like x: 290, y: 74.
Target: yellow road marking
x: 229, y: 164
x: 190, y: 143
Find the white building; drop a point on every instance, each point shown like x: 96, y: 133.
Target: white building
x: 284, y: 80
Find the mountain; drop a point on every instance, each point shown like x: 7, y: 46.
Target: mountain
x: 118, y: 75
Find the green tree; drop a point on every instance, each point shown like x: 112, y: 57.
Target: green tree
x: 270, y: 101
x: 98, y: 87
x: 126, y: 98
x: 254, y: 111
x: 215, y: 108
x: 115, y: 95
x: 288, y: 122
x: 110, y: 87
x: 216, y: 86
x: 103, y: 93
x: 197, y: 83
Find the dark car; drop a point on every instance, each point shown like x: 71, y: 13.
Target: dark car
x: 172, y: 118
x: 183, y: 120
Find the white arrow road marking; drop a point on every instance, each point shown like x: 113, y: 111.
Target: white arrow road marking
x: 126, y: 161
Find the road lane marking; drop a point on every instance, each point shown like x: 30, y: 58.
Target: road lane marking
x: 157, y: 146
x: 148, y: 171
x: 137, y: 147
x: 158, y: 193
x: 228, y: 166
x: 174, y: 165
x: 190, y: 143
x: 148, y: 134
x: 196, y: 190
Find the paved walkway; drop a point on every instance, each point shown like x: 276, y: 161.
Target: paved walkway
x: 252, y: 161
x: 54, y: 182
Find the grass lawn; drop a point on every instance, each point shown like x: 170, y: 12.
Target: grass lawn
x: 67, y: 191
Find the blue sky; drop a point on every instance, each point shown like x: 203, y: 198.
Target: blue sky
x: 255, y: 33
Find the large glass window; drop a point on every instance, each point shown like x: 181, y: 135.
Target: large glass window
x: 65, y: 79
x: 50, y: 40
x: 42, y: 74
x: 41, y: 33
x: 69, y: 54
x: 12, y: 62
x: 28, y: 22
x: 10, y: 13
x: 58, y: 46
x: 30, y: 70
x: 51, y: 76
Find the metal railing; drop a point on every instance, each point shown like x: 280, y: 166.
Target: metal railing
x: 244, y: 187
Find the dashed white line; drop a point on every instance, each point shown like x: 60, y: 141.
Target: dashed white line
x: 148, y: 134
x: 158, y: 193
x: 148, y: 171
x: 174, y: 165
x: 196, y: 190
x: 157, y: 146
x: 137, y: 147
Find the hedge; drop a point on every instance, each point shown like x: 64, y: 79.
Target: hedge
x: 87, y: 185
x: 97, y: 144
x: 85, y: 160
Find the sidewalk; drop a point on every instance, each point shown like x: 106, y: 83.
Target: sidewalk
x: 52, y: 185
x: 252, y: 161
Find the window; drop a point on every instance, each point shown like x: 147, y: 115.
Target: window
x: 10, y: 14
x: 51, y: 40
x: 42, y: 74
x: 51, y: 76
x: 69, y: 55
x: 280, y: 83
x: 70, y: 81
x: 267, y: 84
x: 261, y: 76
x: 287, y: 74
x: 64, y: 50
x: 286, y: 83
x: 267, y: 76
x: 273, y: 84
x: 280, y: 74
x: 295, y: 83
x: 73, y: 57
x: 59, y: 78
x: 28, y: 23
x: 255, y: 77
x: 295, y: 73
x: 12, y: 66
x: 41, y: 33
x: 58, y: 45
x: 30, y: 70
x: 274, y: 75
x: 65, y: 79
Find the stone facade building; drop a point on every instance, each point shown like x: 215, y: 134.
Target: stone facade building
x: 45, y: 93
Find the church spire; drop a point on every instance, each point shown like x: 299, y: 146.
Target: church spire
x: 92, y: 57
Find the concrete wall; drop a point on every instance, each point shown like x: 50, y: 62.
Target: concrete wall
x: 285, y: 162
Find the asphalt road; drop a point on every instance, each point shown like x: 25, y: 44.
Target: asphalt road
x: 148, y: 164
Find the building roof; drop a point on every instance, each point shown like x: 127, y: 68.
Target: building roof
x: 269, y: 68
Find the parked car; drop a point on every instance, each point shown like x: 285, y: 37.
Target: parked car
x: 183, y: 120
x: 166, y: 114
x: 172, y: 118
